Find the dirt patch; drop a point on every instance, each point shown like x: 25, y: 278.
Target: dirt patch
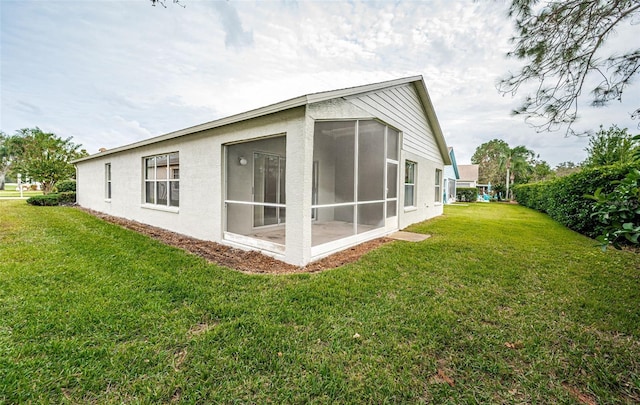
x: 581, y: 397
x: 442, y: 375
x: 199, y: 329
x: 245, y: 261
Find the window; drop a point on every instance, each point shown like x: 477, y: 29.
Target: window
x: 107, y: 180
x: 162, y: 180
x: 410, y: 183
x: 438, y: 196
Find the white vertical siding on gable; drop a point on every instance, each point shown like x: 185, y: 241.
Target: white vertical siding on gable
x: 401, y: 107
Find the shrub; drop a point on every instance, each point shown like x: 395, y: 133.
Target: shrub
x: 498, y: 191
x: 66, y: 186
x: 68, y: 197
x: 48, y: 200
x: 619, y: 211
x: 533, y: 195
x: 468, y: 194
x: 564, y: 198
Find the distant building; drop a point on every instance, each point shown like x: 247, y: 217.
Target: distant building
x: 468, y: 176
x: 451, y: 177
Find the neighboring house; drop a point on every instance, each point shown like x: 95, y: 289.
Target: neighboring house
x: 451, y: 176
x: 468, y: 176
x: 297, y: 180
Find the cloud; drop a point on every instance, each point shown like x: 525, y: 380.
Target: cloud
x: 110, y: 75
x: 28, y: 108
x: 235, y: 35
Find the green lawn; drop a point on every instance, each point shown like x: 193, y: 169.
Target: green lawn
x: 10, y: 191
x: 501, y: 305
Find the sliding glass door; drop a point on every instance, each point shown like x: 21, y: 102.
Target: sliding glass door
x: 269, y: 173
x: 255, y: 204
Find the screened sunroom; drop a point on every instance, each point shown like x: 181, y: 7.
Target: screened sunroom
x: 355, y: 182
x: 354, y: 186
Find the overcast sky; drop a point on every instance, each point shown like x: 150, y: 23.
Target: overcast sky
x: 109, y: 73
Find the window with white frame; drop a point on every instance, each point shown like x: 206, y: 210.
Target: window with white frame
x: 162, y: 180
x: 107, y: 181
x: 438, y: 196
x: 410, y: 183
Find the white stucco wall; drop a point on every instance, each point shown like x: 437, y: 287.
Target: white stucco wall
x: 201, y: 178
x: 426, y: 207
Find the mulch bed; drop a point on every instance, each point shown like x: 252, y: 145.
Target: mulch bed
x: 245, y: 261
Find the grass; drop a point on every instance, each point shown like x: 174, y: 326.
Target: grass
x: 501, y: 305
x: 10, y: 191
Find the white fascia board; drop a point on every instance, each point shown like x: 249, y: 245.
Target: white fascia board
x: 247, y: 115
x: 433, y: 120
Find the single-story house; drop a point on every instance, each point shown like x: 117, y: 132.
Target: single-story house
x: 297, y: 180
x: 451, y: 176
x: 468, y: 176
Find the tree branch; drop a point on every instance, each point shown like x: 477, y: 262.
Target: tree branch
x: 561, y: 44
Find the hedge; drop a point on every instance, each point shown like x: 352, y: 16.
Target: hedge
x: 53, y: 199
x: 468, y: 194
x: 46, y: 200
x: 563, y: 198
x: 68, y: 197
x: 66, y: 186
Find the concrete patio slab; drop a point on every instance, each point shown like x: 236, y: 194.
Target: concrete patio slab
x: 409, y: 236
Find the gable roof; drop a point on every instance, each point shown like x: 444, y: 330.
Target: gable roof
x: 298, y: 102
x: 468, y: 172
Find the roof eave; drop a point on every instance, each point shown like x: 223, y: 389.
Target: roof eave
x: 293, y: 103
x: 433, y: 120
x: 232, y: 119
x: 452, y: 155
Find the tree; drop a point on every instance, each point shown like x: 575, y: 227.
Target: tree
x: 567, y: 168
x: 163, y: 3
x: 541, y: 171
x: 562, y: 44
x: 487, y: 157
x: 613, y: 145
x: 5, y: 158
x: 45, y: 158
x: 516, y: 162
x: 501, y: 164
x: 9, y: 147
